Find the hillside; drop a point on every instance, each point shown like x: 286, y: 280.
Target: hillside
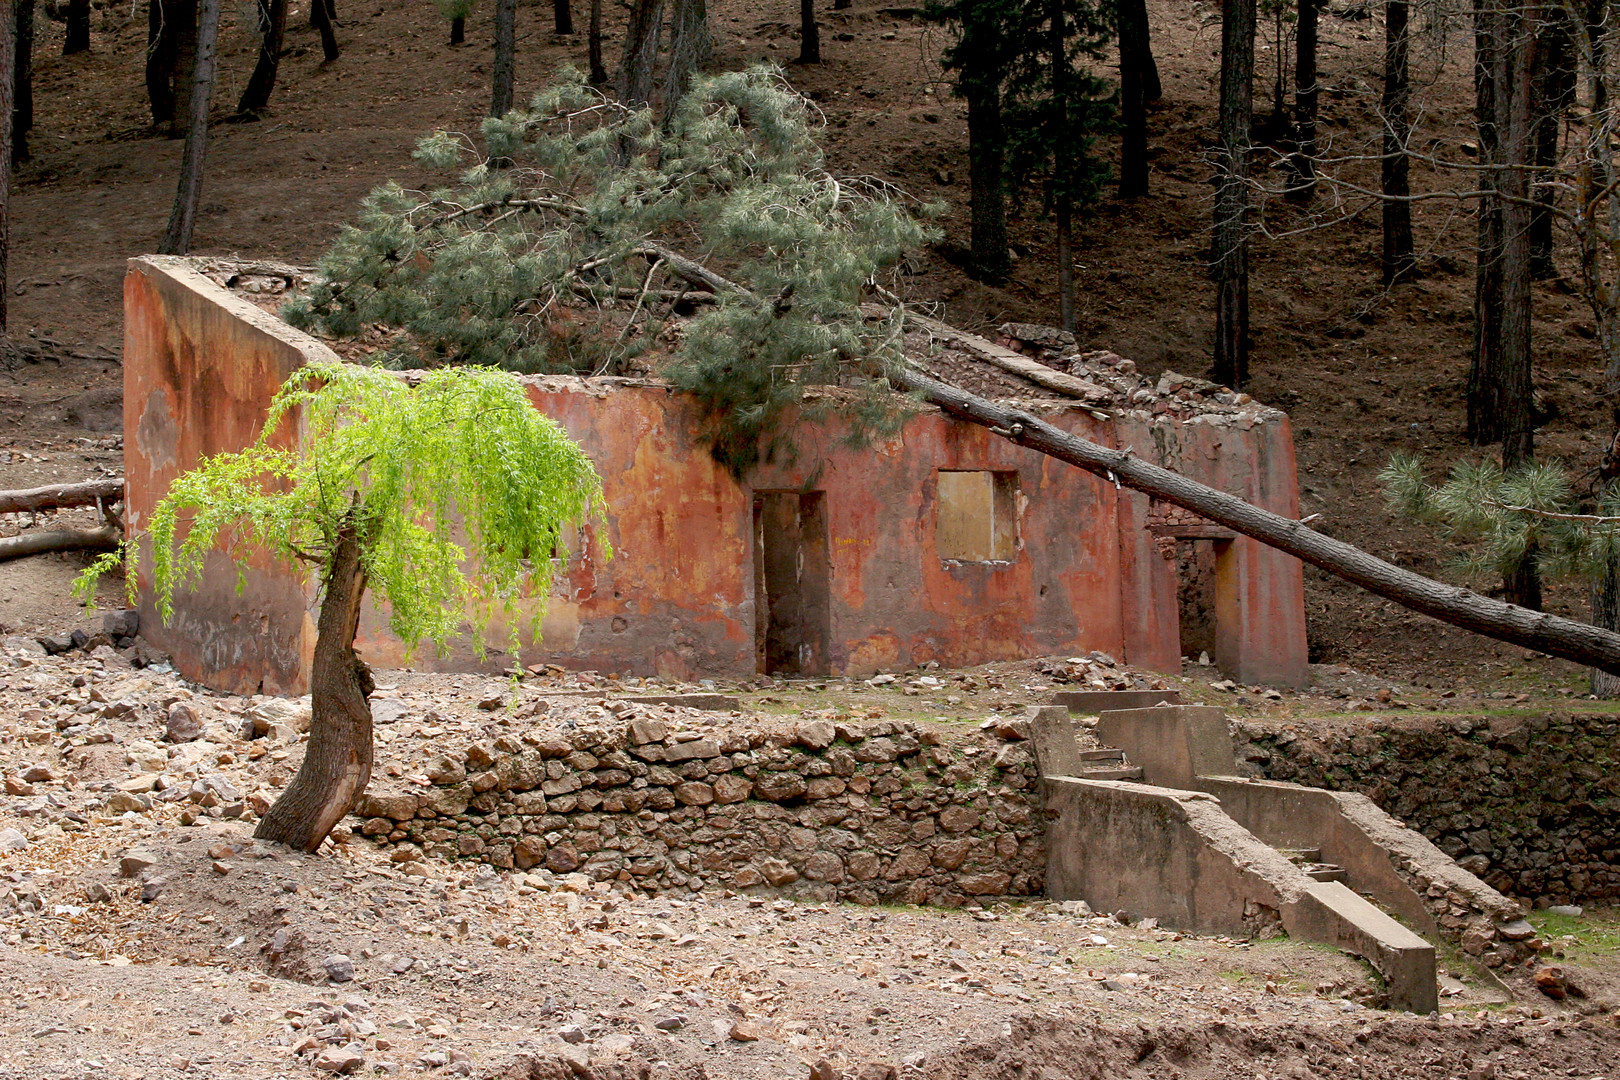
x: 1364, y: 372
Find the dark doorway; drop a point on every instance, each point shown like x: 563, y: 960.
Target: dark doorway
x: 1195, y: 595
x: 792, y: 618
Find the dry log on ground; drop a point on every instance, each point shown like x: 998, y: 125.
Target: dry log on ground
x: 57, y: 496
x: 102, y: 538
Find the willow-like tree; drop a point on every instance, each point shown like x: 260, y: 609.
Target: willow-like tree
x: 451, y: 500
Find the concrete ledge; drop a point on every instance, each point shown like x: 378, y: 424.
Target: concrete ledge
x: 1332, y: 913
x: 1092, y: 702
x: 1174, y: 744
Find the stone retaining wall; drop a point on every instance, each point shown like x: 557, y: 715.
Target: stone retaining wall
x: 863, y: 812
x: 1530, y: 803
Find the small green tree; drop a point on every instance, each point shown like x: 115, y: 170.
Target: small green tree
x: 1535, y: 514
x: 450, y: 499
x: 565, y: 260
x: 456, y: 11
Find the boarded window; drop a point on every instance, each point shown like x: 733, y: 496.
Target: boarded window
x: 978, y: 516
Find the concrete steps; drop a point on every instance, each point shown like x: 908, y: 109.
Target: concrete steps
x: 1310, y: 861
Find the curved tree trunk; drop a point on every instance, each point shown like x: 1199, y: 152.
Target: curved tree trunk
x: 1231, y: 250
x: 77, y: 36
x: 1566, y: 638
x: 177, y: 238
x: 272, y: 28
x: 337, y: 761
x: 500, y: 102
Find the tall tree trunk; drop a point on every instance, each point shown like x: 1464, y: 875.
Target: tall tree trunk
x: 160, y: 60
x: 809, y: 33
x: 500, y: 102
x: 1062, y: 203
x: 1484, y: 423
x: 1565, y: 638
x: 1399, y: 260
x: 337, y: 761
x: 562, y: 16
x: 593, y: 46
x: 1231, y: 249
x: 458, y: 30
x: 1606, y: 614
x: 185, y: 14
x: 987, y: 143
x: 8, y: 59
x: 640, y: 61
x: 1302, y: 164
x: 77, y: 36
x: 691, y: 47
x: 22, y: 120
x: 323, y: 17
x: 1134, y: 59
x: 272, y: 28
x: 1554, y: 92
x: 177, y: 239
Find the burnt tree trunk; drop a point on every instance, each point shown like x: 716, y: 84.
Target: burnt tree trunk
x: 809, y: 33
x: 562, y: 16
x: 1606, y: 614
x: 691, y: 47
x: 1302, y: 163
x: 593, y: 46
x: 177, y: 238
x: 1399, y: 260
x: 337, y: 762
x: 272, y: 30
x: 1484, y: 422
x: 323, y: 17
x: 500, y: 101
x: 1135, y: 57
x: 76, y: 38
x: 22, y: 102
x: 458, y: 30
x: 1566, y: 638
x: 1231, y: 248
x: 640, y: 61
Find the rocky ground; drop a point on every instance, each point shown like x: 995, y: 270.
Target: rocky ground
x: 146, y: 933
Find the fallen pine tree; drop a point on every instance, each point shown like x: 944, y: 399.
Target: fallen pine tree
x: 101, y: 494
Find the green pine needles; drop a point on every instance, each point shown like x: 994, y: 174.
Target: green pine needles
x: 1500, y: 516
x: 571, y: 240
x: 462, y: 495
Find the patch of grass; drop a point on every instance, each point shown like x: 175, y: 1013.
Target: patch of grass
x: 1592, y: 937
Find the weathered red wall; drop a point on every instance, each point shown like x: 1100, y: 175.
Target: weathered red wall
x: 677, y: 597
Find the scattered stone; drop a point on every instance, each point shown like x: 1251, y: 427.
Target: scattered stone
x: 121, y: 624
x: 745, y: 1031
x: 135, y: 862
x: 1573, y: 911
x: 184, y: 724
x: 670, y: 1023
x: 339, y: 968
x: 339, y: 1059
x: 12, y: 840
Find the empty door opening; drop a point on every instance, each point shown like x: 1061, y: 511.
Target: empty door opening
x: 792, y: 616
x: 1195, y: 595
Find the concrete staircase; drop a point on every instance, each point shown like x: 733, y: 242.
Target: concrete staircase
x: 1107, y: 763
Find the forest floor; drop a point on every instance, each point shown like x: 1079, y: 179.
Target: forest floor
x: 1364, y: 371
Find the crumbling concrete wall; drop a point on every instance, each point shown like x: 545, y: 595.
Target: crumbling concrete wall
x: 1529, y: 803
x: 869, y: 812
x: 678, y: 598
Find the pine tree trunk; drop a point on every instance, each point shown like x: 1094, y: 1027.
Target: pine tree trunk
x: 691, y: 47
x: 1062, y: 203
x: 809, y: 33
x: 323, y: 17
x: 1134, y: 59
x: 272, y: 28
x: 593, y: 46
x: 562, y: 16
x: 640, y: 61
x: 8, y: 59
x: 458, y: 30
x: 160, y: 61
x: 1606, y: 613
x: 1399, y: 261
x: 1484, y: 422
x: 1566, y: 638
x: 1231, y: 249
x: 184, y: 13
x: 337, y: 761
x: 22, y: 120
x: 500, y: 102
x: 986, y: 182
x: 77, y: 36
x: 1554, y: 91
x: 177, y: 239
x: 1302, y: 164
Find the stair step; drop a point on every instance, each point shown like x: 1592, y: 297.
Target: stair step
x: 1327, y: 872
x: 1106, y: 753
x: 1302, y: 855
x: 1122, y: 772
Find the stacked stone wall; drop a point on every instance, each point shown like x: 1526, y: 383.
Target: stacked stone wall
x: 1529, y: 803
x: 871, y: 812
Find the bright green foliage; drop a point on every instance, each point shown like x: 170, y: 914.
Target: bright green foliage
x: 1498, y: 517
x: 462, y: 454
x: 535, y: 257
